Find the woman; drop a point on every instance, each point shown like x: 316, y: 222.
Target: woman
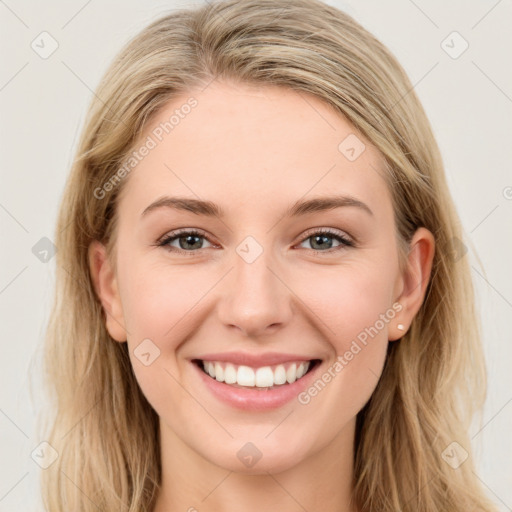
x: 258, y: 303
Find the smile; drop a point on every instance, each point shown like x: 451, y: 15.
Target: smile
x: 262, y: 377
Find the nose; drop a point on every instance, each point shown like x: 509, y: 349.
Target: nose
x: 256, y: 300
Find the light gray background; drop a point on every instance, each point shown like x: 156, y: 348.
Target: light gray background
x: 43, y: 101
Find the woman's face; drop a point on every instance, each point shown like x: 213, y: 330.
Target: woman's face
x: 294, y: 265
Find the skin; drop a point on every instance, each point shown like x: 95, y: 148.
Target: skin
x: 254, y: 152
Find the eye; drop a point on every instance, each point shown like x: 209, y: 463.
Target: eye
x: 190, y: 240
x: 322, y: 240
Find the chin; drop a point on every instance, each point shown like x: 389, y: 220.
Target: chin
x: 259, y: 457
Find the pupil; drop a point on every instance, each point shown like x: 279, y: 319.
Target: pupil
x: 187, y: 241
x: 324, y: 241
x: 321, y: 241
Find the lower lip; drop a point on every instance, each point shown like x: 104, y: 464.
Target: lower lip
x: 256, y: 399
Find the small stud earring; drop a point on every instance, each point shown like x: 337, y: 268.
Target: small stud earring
x: 400, y: 327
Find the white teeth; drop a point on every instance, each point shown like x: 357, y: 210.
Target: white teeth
x: 280, y: 375
x: 301, y: 370
x: 245, y: 376
x: 219, y: 372
x: 264, y: 377
x: 230, y: 374
x: 291, y: 373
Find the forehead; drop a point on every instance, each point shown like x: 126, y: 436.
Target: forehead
x: 254, y: 148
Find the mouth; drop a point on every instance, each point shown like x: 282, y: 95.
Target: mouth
x: 263, y: 378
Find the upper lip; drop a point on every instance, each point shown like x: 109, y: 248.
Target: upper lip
x: 254, y: 360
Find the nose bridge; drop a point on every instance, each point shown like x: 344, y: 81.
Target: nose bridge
x: 256, y: 299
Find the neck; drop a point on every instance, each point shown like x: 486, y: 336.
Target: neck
x: 191, y: 483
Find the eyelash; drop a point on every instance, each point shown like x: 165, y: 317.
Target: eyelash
x: 174, y: 235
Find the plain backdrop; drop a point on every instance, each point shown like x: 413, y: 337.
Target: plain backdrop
x: 467, y: 97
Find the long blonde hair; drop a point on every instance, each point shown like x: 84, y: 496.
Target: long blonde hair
x: 101, y: 425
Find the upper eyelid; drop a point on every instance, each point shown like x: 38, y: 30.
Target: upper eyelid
x: 183, y: 231
x: 330, y: 231
x: 173, y: 235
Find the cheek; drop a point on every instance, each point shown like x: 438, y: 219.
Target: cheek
x: 157, y: 298
x: 349, y: 301
x: 158, y: 306
x: 353, y: 306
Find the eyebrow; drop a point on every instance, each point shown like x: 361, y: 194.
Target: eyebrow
x: 210, y: 209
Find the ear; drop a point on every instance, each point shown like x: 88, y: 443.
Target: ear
x: 105, y: 285
x: 413, y: 282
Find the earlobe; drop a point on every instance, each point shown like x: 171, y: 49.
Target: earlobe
x: 105, y: 286
x: 414, y: 281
